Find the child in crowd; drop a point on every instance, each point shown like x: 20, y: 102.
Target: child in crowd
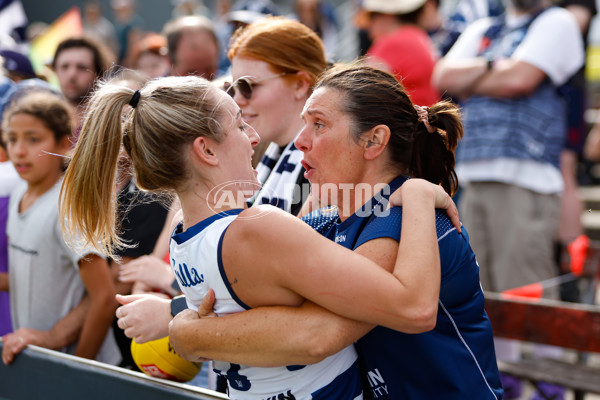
x: 60, y: 299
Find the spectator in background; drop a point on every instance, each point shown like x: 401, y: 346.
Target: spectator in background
x: 129, y: 28
x: 151, y: 58
x: 507, y: 72
x: 275, y: 63
x: 17, y: 65
x: 259, y: 6
x: 193, y: 47
x: 452, y: 23
x: 98, y: 26
x: 223, y: 29
x: 182, y: 8
x: 401, y: 45
x: 319, y: 16
x: 78, y: 62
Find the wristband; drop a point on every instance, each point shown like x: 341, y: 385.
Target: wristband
x: 489, y: 64
x: 178, y: 304
x: 174, y: 289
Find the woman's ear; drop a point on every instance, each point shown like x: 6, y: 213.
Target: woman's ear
x: 65, y: 144
x: 204, y: 150
x: 375, y: 141
x: 302, y: 85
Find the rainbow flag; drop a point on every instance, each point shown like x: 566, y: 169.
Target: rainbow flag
x: 44, y: 45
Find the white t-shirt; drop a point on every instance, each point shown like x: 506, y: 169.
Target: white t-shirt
x: 553, y: 44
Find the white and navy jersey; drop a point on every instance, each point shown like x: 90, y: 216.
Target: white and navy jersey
x: 196, y: 259
x: 456, y: 360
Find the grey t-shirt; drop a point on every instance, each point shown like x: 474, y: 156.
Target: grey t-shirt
x: 43, y: 270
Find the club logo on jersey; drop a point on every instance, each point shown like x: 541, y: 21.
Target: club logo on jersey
x: 188, y: 277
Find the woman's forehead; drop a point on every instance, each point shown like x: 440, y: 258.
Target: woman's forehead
x: 324, y: 100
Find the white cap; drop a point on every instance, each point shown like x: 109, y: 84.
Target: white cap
x: 397, y: 7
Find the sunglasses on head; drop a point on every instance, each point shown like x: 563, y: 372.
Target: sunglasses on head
x: 245, y: 86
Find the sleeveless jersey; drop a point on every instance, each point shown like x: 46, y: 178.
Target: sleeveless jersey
x: 196, y: 259
x: 454, y: 361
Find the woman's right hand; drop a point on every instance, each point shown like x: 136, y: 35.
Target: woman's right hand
x: 442, y: 199
x: 144, y: 317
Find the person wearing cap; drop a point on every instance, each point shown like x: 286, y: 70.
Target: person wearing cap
x: 401, y: 44
x: 17, y: 65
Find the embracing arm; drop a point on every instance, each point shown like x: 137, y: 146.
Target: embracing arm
x: 98, y: 282
x: 278, y: 336
x: 306, y: 334
x: 347, y: 276
x: 265, y: 336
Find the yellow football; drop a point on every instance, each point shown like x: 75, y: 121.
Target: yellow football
x: 157, y: 358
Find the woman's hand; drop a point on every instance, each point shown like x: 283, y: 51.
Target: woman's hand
x: 442, y: 199
x: 182, y: 344
x: 150, y: 270
x: 144, y: 317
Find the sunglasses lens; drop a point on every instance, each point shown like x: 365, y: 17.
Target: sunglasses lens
x: 242, y: 85
x: 245, y: 88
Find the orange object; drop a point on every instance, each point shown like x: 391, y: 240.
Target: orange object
x: 578, y: 250
x: 533, y: 290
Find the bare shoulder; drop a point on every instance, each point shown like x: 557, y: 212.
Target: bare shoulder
x: 267, y: 222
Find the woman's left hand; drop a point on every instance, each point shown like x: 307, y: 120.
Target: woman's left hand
x: 442, y: 199
x: 184, y: 319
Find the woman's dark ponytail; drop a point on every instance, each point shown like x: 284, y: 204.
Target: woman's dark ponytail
x: 433, y: 153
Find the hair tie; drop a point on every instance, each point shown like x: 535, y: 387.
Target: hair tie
x: 424, y: 118
x: 135, y: 99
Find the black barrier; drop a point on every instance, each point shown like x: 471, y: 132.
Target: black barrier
x: 39, y: 373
